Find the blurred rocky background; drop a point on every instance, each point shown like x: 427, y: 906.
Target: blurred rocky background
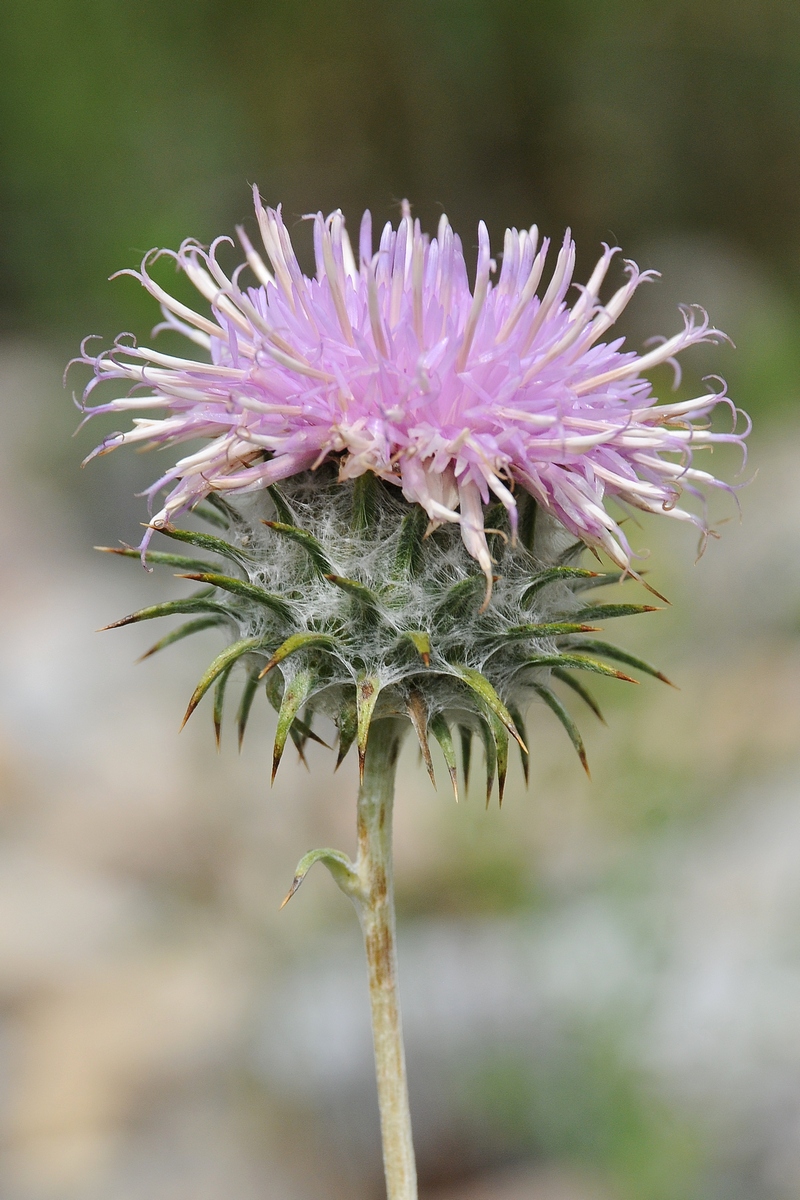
x: 601, y: 982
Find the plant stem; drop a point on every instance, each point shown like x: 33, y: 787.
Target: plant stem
x: 375, y: 907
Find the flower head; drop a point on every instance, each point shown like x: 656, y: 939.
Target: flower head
x: 395, y: 366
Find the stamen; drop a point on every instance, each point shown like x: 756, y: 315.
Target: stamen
x: 257, y: 264
x: 335, y: 282
x: 365, y: 242
x: 690, y: 335
x: 398, y: 272
x: 268, y: 225
x: 473, y: 534
x: 376, y: 324
x: 479, y: 297
x: 528, y: 290
x: 417, y: 268
x: 561, y: 277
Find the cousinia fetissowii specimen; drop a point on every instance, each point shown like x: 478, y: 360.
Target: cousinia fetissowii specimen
x: 401, y: 473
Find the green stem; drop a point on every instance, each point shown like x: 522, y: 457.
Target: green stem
x: 375, y: 905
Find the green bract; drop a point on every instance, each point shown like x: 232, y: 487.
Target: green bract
x: 340, y: 599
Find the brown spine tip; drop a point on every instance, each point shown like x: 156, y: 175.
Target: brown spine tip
x: 652, y: 590
x: 116, y: 624
x: 193, y: 703
x: 298, y: 879
x: 146, y: 654
x: 512, y: 729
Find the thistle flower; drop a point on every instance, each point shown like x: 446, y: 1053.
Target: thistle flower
x: 395, y: 367
x: 379, y: 433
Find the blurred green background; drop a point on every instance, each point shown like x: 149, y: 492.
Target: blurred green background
x: 602, y: 982
x: 126, y: 124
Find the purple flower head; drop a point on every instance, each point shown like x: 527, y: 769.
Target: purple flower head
x: 393, y: 365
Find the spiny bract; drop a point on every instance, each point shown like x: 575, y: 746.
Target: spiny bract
x: 344, y: 603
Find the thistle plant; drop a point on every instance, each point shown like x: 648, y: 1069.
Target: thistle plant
x: 400, y: 475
